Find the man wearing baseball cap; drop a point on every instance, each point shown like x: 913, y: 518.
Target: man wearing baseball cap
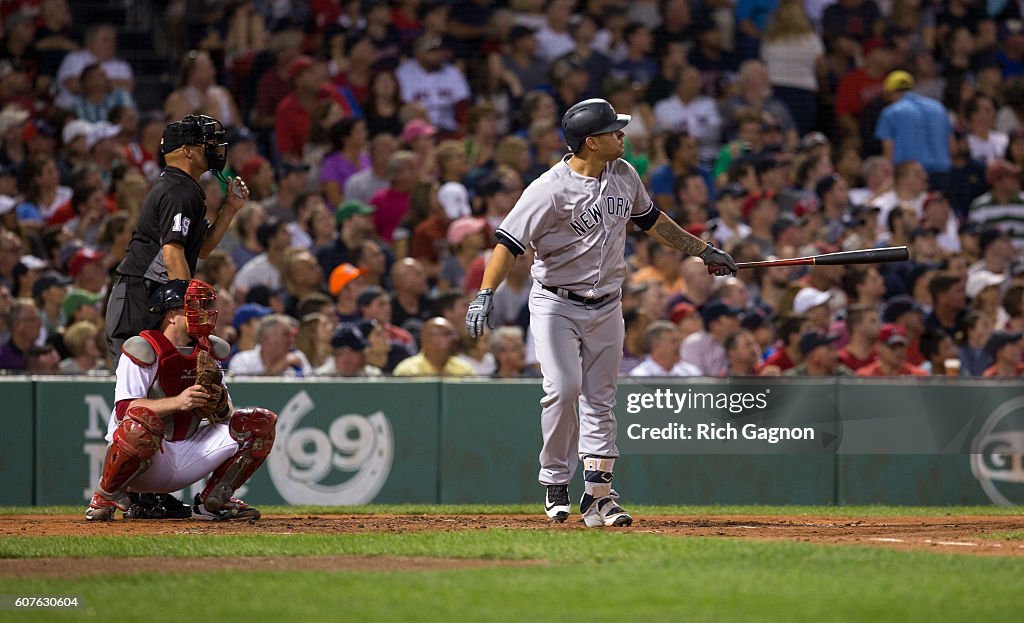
x: 349, y: 345
x: 706, y: 349
x: 245, y: 321
x: 820, y: 356
x: 1005, y: 349
x: 429, y: 80
x: 891, y: 347
x: 345, y: 285
x: 355, y: 224
x: 293, y: 114
x: 915, y: 127
x: 87, y: 270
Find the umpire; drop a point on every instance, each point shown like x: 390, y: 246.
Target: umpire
x: 172, y: 232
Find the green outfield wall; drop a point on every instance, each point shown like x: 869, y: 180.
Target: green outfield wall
x: 913, y: 442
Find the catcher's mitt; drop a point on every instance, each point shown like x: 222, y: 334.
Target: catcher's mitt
x: 210, y: 376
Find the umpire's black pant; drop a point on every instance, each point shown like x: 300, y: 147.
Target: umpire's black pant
x: 128, y: 312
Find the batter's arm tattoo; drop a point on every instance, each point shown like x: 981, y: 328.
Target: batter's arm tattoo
x: 668, y: 233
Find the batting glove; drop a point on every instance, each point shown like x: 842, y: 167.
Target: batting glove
x: 721, y: 261
x: 479, y: 312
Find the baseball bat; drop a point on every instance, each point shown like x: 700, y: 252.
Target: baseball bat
x: 841, y: 258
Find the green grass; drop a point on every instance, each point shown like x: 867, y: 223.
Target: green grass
x: 1005, y: 535
x: 624, y: 576
x: 638, y: 510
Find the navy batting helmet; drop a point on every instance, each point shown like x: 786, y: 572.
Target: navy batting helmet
x: 590, y: 117
x: 168, y: 296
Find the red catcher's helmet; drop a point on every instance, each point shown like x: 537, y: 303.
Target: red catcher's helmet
x: 200, y: 315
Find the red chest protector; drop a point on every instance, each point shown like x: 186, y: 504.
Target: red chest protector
x: 175, y: 373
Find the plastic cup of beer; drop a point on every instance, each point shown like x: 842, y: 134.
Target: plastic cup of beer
x: 952, y: 367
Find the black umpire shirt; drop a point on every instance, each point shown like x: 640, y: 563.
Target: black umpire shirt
x: 173, y: 211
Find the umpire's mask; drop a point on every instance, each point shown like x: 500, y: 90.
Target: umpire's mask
x: 197, y: 130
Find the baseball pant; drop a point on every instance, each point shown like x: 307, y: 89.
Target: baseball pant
x: 579, y: 348
x: 183, y: 463
x: 127, y: 313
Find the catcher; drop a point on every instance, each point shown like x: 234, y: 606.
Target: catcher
x: 173, y: 422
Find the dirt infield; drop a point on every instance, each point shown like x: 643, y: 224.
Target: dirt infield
x: 950, y: 534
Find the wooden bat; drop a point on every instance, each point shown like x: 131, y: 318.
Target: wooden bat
x: 842, y: 258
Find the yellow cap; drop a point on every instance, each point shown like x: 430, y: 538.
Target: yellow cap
x: 898, y: 81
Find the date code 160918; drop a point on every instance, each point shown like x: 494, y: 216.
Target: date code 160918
x: 18, y: 602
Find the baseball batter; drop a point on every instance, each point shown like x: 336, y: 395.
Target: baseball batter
x: 574, y: 217
x: 173, y: 422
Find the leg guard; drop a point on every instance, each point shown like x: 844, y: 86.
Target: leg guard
x: 599, y: 505
x: 253, y: 429
x: 136, y: 440
x: 597, y: 476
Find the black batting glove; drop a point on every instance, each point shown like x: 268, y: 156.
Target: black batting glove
x: 719, y: 262
x: 478, y: 314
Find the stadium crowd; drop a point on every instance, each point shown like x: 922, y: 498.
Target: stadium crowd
x: 383, y: 142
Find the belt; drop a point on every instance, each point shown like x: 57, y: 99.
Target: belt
x: 576, y: 298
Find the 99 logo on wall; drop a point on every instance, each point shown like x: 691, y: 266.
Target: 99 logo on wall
x: 347, y: 463
x: 997, y: 454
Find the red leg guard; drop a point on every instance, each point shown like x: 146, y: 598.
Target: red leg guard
x: 137, y: 438
x: 254, y: 431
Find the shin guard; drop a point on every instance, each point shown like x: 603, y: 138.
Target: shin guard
x: 597, y: 479
x: 253, y: 429
x: 137, y: 438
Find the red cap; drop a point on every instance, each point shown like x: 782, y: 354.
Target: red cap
x: 83, y: 256
x: 807, y: 205
x: 872, y: 44
x: 252, y: 165
x: 751, y: 202
x: 680, y: 311
x: 695, y: 228
x: 892, y: 333
x: 299, y: 64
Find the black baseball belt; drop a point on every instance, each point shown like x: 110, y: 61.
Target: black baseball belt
x: 576, y: 298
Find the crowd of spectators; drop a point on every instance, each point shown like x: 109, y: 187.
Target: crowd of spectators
x: 383, y: 143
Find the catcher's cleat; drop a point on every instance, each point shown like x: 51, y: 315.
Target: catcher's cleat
x: 556, y: 503
x: 604, y: 512
x: 156, y: 506
x: 100, y: 509
x: 233, y: 509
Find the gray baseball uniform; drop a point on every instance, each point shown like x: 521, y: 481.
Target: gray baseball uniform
x: 577, y: 225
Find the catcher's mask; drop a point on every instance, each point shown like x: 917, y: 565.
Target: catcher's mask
x: 200, y: 316
x: 197, y: 130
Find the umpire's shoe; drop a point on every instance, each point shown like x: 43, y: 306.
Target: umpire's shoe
x: 556, y: 503
x: 233, y: 509
x: 156, y: 506
x: 604, y: 512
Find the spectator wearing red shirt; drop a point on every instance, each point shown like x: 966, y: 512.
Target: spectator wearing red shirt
x: 892, y: 355
x: 276, y: 82
x: 860, y: 86
x: 907, y: 313
x: 392, y: 203
x: 1005, y: 348
x: 862, y: 322
x: 294, y: 113
x: 359, y: 56
x: 787, y: 355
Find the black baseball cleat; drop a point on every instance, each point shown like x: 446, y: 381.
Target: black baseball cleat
x: 156, y: 506
x: 556, y: 503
